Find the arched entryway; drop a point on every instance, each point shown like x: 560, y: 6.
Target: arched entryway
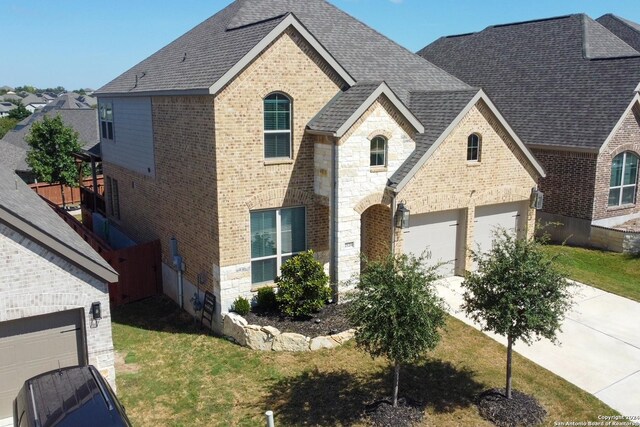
x: 375, y: 232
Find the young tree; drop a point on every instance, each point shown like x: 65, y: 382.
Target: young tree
x: 396, y: 311
x: 6, y: 124
x: 516, y: 292
x: 19, y: 113
x: 51, y: 154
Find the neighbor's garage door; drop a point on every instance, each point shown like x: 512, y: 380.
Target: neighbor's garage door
x: 491, y: 218
x: 437, y: 233
x: 34, y: 345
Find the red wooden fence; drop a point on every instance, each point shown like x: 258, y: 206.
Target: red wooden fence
x: 51, y: 192
x: 139, y: 267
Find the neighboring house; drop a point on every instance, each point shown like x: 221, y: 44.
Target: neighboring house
x: 5, y: 108
x: 279, y: 126
x: 14, y: 147
x: 6, y: 88
x: 33, y: 102
x: 72, y: 100
x: 49, y: 280
x: 569, y: 88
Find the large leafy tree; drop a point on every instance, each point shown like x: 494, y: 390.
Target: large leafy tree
x: 51, y: 154
x: 516, y: 292
x: 396, y: 311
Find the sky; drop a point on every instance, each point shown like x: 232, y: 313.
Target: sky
x: 87, y: 43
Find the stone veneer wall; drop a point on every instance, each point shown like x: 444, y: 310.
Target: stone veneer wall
x: 360, y: 185
x: 627, y: 138
x: 246, y: 180
x: 448, y: 181
x: 35, y: 281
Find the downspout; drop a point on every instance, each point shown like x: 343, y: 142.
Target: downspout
x: 334, y: 218
x: 393, y: 222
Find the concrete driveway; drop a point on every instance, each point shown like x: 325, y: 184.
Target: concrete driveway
x: 599, y: 348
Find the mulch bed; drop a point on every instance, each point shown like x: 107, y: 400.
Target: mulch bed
x: 520, y: 410
x: 330, y: 320
x: 383, y: 414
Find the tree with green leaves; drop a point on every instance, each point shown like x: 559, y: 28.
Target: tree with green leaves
x: 396, y: 311
x: 52, y: 146
x: 6, y: 124
x: 19, y: 113
x: 516, y: 292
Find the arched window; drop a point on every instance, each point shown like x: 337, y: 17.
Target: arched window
x: 473, y: 148
x: 378, y: 151
x: 277, y: 126
x: 624, y: 179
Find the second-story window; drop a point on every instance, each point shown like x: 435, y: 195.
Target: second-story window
x: 473, y: 148
x: 378, y: 152
x: 106, y: 120
x: 277, y: 126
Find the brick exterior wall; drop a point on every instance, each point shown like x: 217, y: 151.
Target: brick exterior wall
x: 181, y: 201
x: 626, y: 138
x: 375, y: 232
x: 246, y: 180
x: 447, y: 181
x: 570, y: 182
x: 35, y: 281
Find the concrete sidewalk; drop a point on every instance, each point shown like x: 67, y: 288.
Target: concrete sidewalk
x: 599, y: 348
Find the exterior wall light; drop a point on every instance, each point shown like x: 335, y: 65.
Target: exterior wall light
x: 402, y: 216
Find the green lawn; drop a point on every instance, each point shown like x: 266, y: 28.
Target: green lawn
x: 171, y: 374
x: 609, y: 271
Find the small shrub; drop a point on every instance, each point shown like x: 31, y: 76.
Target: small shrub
x: 266, y: 299
x: 303, y: 286
x: 241, y: 306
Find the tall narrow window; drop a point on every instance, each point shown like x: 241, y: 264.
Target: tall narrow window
x: 378, y: 153
x: 276, y: 236
x: 624, y: 179
x: 106, y: 120
x: 277, y: 126
x: 113, y: 198
x: 473, y: 148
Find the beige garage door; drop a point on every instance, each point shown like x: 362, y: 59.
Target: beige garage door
x: 34, y: 345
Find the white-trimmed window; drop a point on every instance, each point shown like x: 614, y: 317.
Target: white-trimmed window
x: 473, y: 148
x: 276, y: 235
x: 624, y: 179
x: 106, y: 120
x: 277, y: 126
x: 378, y: 153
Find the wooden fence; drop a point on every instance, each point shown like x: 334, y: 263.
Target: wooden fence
x: 72, y: 196
x: 139, y: 267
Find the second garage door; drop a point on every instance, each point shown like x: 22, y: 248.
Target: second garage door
x: 34, y: 345
x: 491, y: 218
x: 438, y: 233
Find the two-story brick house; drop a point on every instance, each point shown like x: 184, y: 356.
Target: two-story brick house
x: 279, y: 126
x: 570, y: 88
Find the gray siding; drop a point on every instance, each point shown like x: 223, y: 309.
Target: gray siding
x: 132, y: 145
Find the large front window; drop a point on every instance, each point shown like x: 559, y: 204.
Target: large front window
x: 624, y: 179
x: 277, y: 126
x: 276, y: 235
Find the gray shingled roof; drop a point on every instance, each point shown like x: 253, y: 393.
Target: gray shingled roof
x: 342, y: 107
x: 623, y: 28
x: 19, y: 201
x: 436, y: 111
x: 84, y: 121
x: 199, y: 58
x: 71, y: 100
x: 537, y: 75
